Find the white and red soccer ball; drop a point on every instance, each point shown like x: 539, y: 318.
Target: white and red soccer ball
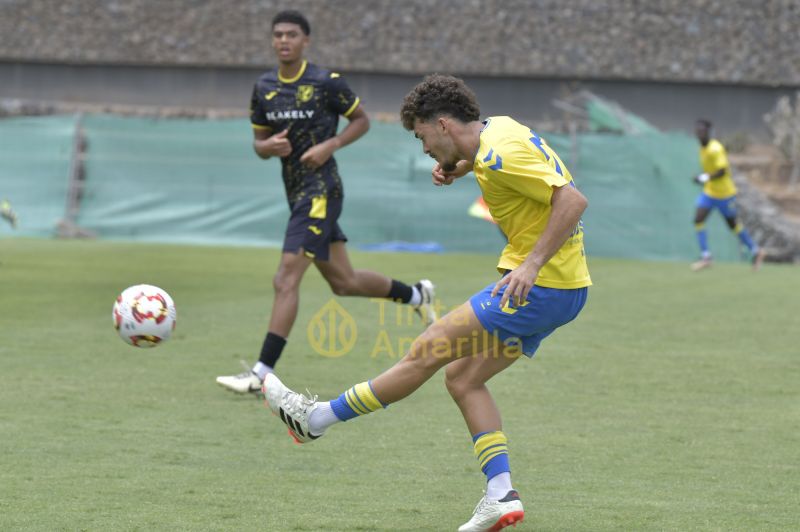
x: 144, y: 315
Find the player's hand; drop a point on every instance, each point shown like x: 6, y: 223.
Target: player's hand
x: 440, y: 177
x: 518, y: 284
x: 318, y: 154
x: 278, y: 145
x: 701, y: 179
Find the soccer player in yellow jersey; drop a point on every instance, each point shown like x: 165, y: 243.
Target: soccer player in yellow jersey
x: 719, y: 192
x: 530, y: 194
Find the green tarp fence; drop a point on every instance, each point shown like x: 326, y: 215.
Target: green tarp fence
x: 35, y: 158
x: 198, y: 181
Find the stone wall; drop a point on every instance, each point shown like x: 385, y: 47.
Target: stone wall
x: 722, y: 41
x: 779, y: 236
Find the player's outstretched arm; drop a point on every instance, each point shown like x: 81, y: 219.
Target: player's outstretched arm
x: 568, y: 205
x: 316, y: 155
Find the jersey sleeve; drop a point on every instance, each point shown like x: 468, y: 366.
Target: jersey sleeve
x: 719, y: 158
x: 526, y: 170
x: 339, y: 98
x: 257, y: 116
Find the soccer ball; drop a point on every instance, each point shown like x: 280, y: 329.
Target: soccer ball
x: 144, y: 315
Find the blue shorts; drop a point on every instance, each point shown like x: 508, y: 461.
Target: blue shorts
x: 726, y: 206
x: 546, y: 310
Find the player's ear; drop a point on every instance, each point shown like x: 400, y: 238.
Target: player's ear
x: 442, y: 123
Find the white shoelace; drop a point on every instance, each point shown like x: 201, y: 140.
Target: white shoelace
x: 297, y: 402
x: 484, y: 502
x: 247, y: 370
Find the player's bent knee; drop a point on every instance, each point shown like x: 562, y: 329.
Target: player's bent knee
x: 459, y: 383
x: 283, y: 283
x: 341, y: 288
x: 455, y: 385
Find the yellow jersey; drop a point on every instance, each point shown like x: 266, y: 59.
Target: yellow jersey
x: 713, y: 157
x: 517, y: 171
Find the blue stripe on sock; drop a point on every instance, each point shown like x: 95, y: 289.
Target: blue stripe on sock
x: 369, y: 383
x: 478, y: 435
x: 359, y: 401
x: 744, y: 236
x: 342, y: 409
x: 497, y: 465
x: 702, y: 240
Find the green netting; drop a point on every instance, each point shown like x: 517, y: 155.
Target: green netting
x: 607, y: 116
x: 35, y: 155
x: 199, y: 181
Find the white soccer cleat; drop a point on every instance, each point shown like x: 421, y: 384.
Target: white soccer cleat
x: 702, y: 264
x: 245, y: 382
x: 426, y: 309
x: 293, y: 408
x: 495, y: 515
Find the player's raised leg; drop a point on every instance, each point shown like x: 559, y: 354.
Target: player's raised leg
x: 457, y: 334
x: 458, y: 339
x: 728, y: 210
x: 346, y: 281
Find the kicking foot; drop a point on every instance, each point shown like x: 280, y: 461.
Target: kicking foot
x: 495, y: 515
x: 293, y: 408
x: 702, y: 264
x: 245, y: 382
x: 425, y: 309
x: 758, y: 259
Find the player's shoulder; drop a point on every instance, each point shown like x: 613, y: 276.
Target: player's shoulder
x: 268, y: 79
x: 715, y: 146
x: 319, y: 74
x: 504, y: 131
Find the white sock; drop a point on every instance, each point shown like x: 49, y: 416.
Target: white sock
x: 416, y: 296
x: 498, y: 486
x: 262, y: 370
x: 322, y: 418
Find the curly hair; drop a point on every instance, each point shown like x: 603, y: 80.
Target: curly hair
x: 437, y: 95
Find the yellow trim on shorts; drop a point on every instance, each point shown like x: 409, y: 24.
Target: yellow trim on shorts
x: 319, y: 207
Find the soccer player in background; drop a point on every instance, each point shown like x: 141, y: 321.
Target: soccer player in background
x: 719, y: 192
x: 7, y: 213
x: 294, y: 112
x: 533, y: 199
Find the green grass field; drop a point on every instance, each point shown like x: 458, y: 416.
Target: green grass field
x: 672, y: 403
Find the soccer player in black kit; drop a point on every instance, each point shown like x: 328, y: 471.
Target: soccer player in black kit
x: 295, y: 112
